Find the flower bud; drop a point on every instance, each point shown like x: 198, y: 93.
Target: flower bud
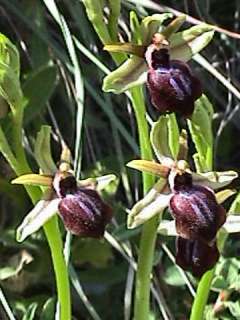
x: 171, y: 83
x: 84, y: 213
x: 196, y: 256
x: 196, y: 211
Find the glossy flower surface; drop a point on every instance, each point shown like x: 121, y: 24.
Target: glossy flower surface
x: 171, y: 83
x: 196, y: 256
x: 195, y: 209
x: 84, y: 213
x: 82, y: 210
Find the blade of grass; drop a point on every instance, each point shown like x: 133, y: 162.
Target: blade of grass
x: 77, y: 285
x: 6, y: 306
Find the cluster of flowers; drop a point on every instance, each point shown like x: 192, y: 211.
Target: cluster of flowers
x: 198, y: 217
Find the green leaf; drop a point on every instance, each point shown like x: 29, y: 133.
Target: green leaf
x: 185, y: 44
x: 200, y: 127
x: 165, y: 138
x: 37, y: 91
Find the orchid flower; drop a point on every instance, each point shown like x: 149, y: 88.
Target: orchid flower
x: 191, y: 200
x: 159, y: 58
x: 78, y: 203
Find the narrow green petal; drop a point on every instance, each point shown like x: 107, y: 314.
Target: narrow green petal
x: 150, y: 167
x: 34, y: 180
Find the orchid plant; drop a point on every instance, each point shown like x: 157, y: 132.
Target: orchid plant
x: 156, y: 54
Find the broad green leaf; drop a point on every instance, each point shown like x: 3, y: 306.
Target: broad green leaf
x: 185, y: 44
x: 200, y: 127
x: 37, y: 91
x: 165, y: 138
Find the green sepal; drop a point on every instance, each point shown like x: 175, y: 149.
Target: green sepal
x: 44, y: 210
x: 185, y: 44
x: 152, y: 204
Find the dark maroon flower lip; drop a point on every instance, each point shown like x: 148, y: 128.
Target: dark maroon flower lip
x: 171, y: 83
x: 84, y: 213
x: 197, y: 214
x: 82, y: 210
x: 196, y: 256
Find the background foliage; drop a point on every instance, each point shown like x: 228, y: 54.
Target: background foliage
x: 104, y: 268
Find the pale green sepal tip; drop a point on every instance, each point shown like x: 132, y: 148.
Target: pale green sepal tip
x: 41, y: 213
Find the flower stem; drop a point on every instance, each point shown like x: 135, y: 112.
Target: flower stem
x: 149, y: 231
x: 20, y: 166
x: 53, y: 235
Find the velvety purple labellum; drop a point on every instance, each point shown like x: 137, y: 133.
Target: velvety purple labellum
x: 196, y: 256
x: 84, y: 213
x: 172, y: 85
x: 198, y: 215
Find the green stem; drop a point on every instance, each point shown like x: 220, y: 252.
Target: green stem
x: 20, y: 166
x: 149, y: 231
x: 53, y: 235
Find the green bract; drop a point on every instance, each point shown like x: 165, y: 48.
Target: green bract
x: 10, y: 88
x: 183, y: 45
